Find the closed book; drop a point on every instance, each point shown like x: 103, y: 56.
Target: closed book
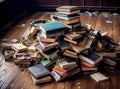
x: 73, y: 25
x: 87, y: 68
x: 45, y: 61
x: 99, y: 77
x: 62, y: 73
x: 71, y: 21
x: 72, y: 36
x: 56, y: 76
x: 76, y: 41
x: 71, y: 12
x: 52, y: 27
x: 68, y: 17
x: 86, y: 63
x: 19, y: 47
x: 65, y: 64
x: 48, y: 39
x: 68, y: 54
x: 67, y: 8
x: 91, y: 57
x: 38, y: 71
x: 78, y: 48
x: 41, y: 80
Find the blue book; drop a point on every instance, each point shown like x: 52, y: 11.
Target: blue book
x: 52, y: 27
x: 38, y: 70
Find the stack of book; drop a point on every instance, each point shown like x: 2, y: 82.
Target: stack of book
x: 89, y: 61
x: 68, y: 15
x: 39, y: 74
x: 64, y: 68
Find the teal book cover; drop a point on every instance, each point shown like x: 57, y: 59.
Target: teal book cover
x: 45, y: 61
x: 52, y: 27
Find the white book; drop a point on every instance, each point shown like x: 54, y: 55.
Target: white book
x: 99, y: 77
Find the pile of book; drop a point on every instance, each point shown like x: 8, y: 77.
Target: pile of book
x: 68, y: 15
x: 63, y: 47
x: 40, y: 74
x: 64, y: 68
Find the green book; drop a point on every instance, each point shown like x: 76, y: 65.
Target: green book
x: 45, y: 61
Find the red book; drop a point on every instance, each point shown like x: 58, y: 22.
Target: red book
x: 62, y: 73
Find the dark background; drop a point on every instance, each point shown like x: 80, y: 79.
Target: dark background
x: 12, y: 9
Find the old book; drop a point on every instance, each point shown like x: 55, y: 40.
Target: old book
x: 72, y: 36
x: 108, y: 54
x: 52, y: 27
x: 86, y: 63
x: 91, y: 57
x: 109, y: 62
x: 45, y: 61
x: 81, y: 32
x: 48, y: 39
x: 17, y: 62
x: 65, y: 70
x: 73, y: 25
x: 76, y: 41
x: 38, y: 71
x: 6, y: 45
x: 56, y: 76
x: 98, y: 77
x: 62, y: 73
x: 33, y: 30
x: 71, y: 21
x: 79, y: 47
x: 19, y: 47
x: 68, y: 17
x: 41, y: 80
x: 70, y: 55
x: 87, y: 68
x: 67, y: 8
x: 65, y: 64
x: 48, y: 44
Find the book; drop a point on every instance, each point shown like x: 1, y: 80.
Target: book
x: 91, y: 57
x: 56, y: 76
x: 52, y: 27
x: 38, y: 70
x: 70, y: 55
x: 71, y: 21
x: 71, y: 12
x: 19, y: 47
x: 108, y: 54
x: 78, y: 48
x: 67, y: 8
x: 45, y: 61
x: 41, y: 80
x: 76, y: 41
x: 65, y: 70
x: 86, y: 63
x: 65, y: 64
x: 48, y: 39
x: 62, y: 73
x: 99, y: 77
x: 68, y: 17
x: 72, y: 36
x: 87, y: 68
x: 73, y: 25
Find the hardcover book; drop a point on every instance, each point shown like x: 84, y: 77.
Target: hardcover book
x: 52, y: 27
x: 99, y: 77
x: 38, y: 71
x: 91, y: 57
x: 41, y: 80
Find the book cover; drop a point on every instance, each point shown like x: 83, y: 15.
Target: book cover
x: 52, y: 27
x: 99, y: 77
x: 62, y: 73
x: 91, y: 57
x: 41, y: 80
x: 67, y: 8
x: 45, y: 61
x: 38, y: 71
